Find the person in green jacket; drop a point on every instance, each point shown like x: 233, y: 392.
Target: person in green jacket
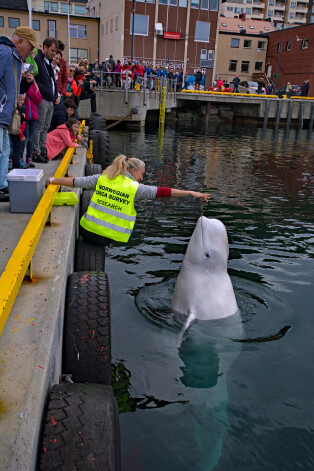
x: 111, y: 213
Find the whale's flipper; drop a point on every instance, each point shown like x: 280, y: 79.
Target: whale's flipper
x: 191, y: 317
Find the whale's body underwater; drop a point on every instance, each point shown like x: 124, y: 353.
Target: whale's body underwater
x: 203, y: 289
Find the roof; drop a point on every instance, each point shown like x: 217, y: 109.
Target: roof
x: 20, y: 5
x: 235, y: 25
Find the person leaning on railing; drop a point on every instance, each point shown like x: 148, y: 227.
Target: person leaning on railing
x: 111, y: 214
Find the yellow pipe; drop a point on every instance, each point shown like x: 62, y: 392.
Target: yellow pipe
x: 14, y: 272
x: 209, y: 92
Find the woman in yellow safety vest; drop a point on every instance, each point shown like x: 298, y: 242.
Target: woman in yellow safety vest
x: 111, y: 214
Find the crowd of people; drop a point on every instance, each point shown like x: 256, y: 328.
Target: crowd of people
x: 45, y: 94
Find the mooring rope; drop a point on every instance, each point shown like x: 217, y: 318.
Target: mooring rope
x: 120, y: 120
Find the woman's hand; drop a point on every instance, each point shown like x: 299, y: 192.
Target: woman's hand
x: 80, y: 137
x: 204, y: 196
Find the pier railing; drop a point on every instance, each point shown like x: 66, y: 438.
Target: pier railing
x: 21, y: 259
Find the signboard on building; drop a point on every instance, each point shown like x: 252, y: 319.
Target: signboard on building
x: 169, y: 35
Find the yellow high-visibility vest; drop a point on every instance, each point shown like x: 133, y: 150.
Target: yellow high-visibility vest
x: 111, y: 212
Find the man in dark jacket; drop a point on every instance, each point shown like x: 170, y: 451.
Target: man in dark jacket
x: 198, y: 78
x: 49, y: 92
x: 12, y: 51
x: 112, y: 63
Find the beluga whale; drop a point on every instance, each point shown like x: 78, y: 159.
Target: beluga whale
x: 203, y: 289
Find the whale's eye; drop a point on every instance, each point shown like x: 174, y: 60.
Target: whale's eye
x: 207, y: 255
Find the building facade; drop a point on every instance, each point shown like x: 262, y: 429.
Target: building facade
x: 291, y: 12
x: 178, y: 34
x: 296, y: 63
x: 242, y: 48
x: 53, y: 22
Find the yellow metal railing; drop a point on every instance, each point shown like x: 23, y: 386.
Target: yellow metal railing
x: 209, y: 92
x: 21, y: 259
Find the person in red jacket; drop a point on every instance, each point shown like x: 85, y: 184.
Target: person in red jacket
x: 73, y: 88
x: 63, y: 136
x: 63, y: 75
x: 32, y: 100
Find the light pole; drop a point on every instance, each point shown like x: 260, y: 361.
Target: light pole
x: 132, y: 44
x: 280, y: 47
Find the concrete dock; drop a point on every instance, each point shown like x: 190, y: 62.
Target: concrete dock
x: 31, y: 342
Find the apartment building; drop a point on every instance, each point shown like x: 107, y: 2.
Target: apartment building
x: 179, y: 34
x: 242, y: 47
x: 51, y: 19
x: 296, y: 12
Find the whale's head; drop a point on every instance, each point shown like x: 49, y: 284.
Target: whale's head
x: 208, y: 248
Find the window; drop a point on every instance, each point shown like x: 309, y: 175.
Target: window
x: 140, y: 25
x: 36, y: 25
x: 102, y: 29
x: 53, y: 6
x: 266, y: 29
x: 163, y: 2
x: 240, y: 26
x: 46, y: 6
x: 14, y: 22
x: 52, y: 29
x: 229, y: 9
x: 293, y: 5
x: 1, y: 21
x: 78, y: 31
x: 245, y: 66
x: 251, y: 27
x: 291, y: 16
x: 258, y: 65
x: 270, y: 13
x: 150, y: 1
x: 195, y: 3
x: 249, y: 2
x: 204, y: 4
x: 173, y: 2
x: 235, y: 42
x: 261, y: 45
x: 238, y: 10
x: 65, y: 7
x: 224, y: 24
x: 211, y: 55
x: 76, y: 54
x: 107, y: 27
x: 183, y: 3
x: 111, y: 25
x: 117, y: 23
x: 312, y: 19
x: 80, y: 10
x: 279, y: 47
x: 203, y: 54
x: 248, y: 11
x: 288, y: 46
x: 213, y: 5
x: 202, y: 29
x: 313, y: 9
x: 247, y: 44
x: 271, y: 3
x: 305, y: 44
x: 233, y: 65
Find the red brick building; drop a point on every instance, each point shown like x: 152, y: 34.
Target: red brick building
x: 179, y: 33
x: 297, y: 56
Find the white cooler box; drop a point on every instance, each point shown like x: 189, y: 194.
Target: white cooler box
x: 26, y: 187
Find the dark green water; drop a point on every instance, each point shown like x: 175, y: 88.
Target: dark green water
x: 182, y: 408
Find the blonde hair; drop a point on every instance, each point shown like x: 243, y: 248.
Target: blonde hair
x: 121, y: 165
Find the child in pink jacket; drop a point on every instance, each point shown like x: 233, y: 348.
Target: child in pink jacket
x: 63, y: 136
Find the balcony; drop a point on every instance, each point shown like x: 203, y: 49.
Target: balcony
x: 279, y: 6
x: 258, y: 5
x: 300, y: 20
x: 301, y: 8
x: 257, y: 15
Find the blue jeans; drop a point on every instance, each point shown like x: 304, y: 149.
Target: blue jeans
x: 4, y: 156
x: 29, y: 134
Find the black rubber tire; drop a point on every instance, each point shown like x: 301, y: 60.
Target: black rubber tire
x: 85, y: 200
x: 89, y: 257
x: 100, y: 148
x: 97, y: 125
x: 92, y: 169
x: 87, y: 335
x: 81, y: 430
